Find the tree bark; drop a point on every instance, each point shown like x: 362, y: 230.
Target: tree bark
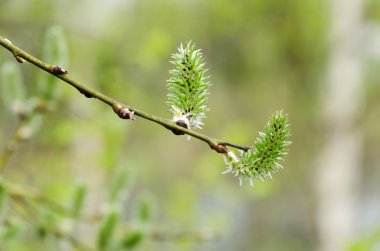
x: 338, y: 165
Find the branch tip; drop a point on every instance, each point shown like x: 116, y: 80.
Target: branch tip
x: 244, y: 148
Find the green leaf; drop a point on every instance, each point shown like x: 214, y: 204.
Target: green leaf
x: 118, y: 185
x: 10, y: 230
x: 106, y: 230
x: 3, y: 197
x: 188, y: 86
x: 12, y: 87
x: 55, y: 52
x: 42, y: 232
x: 145, y: 208
x: 78, y: 201
x: 366, y: 241
x: 132, y: 239
x: 49, y: 220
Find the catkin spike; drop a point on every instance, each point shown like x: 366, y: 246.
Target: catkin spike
x: 188, y: 86
x: 262, y: 160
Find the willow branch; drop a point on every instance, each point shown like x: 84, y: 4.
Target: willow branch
x: 17, y: 192
x: 17, y: 137
x: 122, y: 110
x: 21, y: 134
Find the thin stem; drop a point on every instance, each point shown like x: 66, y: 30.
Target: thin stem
x: 160, y: 235
x: 32, y: 217
x: 17, y: 192
x: 22, y: 133
x: 244, y: 148
x: 16, y: 138
x: 118, y: 107
x: 22, y: 197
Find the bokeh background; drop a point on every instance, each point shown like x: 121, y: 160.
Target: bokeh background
x: 316, y: 60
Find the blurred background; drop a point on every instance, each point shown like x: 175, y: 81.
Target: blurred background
x: 316, y: 60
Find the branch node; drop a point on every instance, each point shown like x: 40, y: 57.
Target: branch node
x: 85, y: 93
x: 55, y: 69
x: 219, y: 148
x: 123, y: 112
x: 18, y: 58
x: 180, y: 123
x: 7, y: 40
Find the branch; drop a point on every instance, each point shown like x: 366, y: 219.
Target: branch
x: 122, y: 110
x: 17, y: 137
x: 17, y: 192
x: 23, y: 131
x: 23, y: 195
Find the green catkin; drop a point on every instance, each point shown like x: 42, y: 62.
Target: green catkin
x: 188, y: 86
x: 78, y: 198
x: 264, y: 157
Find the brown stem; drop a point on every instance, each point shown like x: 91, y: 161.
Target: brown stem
x: 215, y: 144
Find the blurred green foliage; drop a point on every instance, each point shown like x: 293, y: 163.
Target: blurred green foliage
x: 12, y: 88
x: 262, y: 56
x: 54, y: 52
x: 106, y: 230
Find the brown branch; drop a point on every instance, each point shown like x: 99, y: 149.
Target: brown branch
x: 122, y: 110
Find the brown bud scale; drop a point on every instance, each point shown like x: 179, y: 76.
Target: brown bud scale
x: 55, y: 69
x: 123, y: 112
x: 219, y: 148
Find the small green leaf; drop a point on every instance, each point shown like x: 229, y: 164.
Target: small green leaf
x: 10, y: 230
x: 12, y: 88
x: 132, y: 239
x: 118, y: 185
x: 55, y: 52
x: 78, y: 201
x: 145, y: 208
x: 41, y: 232
x: 106, y: 230
x: 49, y: 220
x: 3, y: 197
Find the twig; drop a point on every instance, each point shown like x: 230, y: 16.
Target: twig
x: 244, y: 148
x: 198, y: 235
x: 122, y: 110
x: 22, y: 195
x: 22, y: 132
x: 17, y: 137
x: 17, y: 192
